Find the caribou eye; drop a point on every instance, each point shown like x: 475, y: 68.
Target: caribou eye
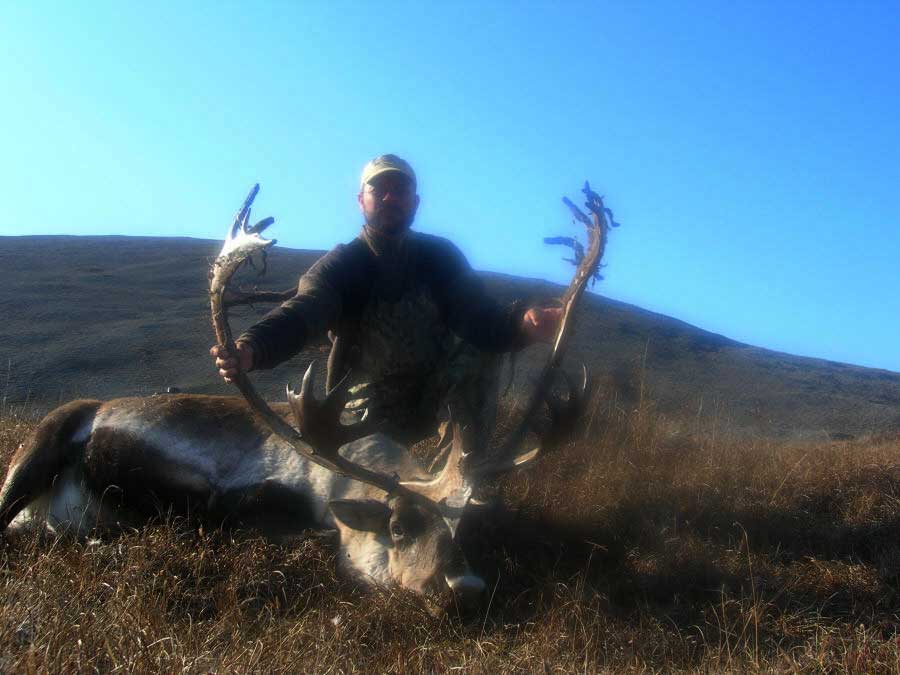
x: 397, y: 530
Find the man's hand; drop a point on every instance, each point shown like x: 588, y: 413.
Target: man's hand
x: 540, y: 323
x: 230, y: 364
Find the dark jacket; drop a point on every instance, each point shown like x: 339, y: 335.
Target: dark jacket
x: 396, y: 303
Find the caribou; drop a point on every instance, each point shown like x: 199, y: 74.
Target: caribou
x: 283, y: 469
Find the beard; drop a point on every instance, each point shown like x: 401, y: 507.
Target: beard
x: 389, y: 220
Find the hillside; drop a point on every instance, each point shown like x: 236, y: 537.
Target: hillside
x: 110, y: 316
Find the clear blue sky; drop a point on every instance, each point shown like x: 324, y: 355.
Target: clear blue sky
x: 750, y: 150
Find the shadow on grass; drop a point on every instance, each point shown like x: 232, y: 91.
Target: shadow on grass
x: 628, y: 565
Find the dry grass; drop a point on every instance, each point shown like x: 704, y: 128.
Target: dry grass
x: 643, y: 550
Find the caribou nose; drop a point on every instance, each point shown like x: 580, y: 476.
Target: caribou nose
x: 466, y: 586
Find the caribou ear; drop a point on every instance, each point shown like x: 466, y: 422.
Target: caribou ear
x: 361, y: 514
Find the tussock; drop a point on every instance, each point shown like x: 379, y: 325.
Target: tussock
x: 635, y: 548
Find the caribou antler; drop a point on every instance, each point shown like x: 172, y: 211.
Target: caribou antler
x: 320, y: 433
x: 563, y: 413
x: 317, y: 439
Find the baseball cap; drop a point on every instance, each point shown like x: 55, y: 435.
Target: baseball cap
x: 383, y: 164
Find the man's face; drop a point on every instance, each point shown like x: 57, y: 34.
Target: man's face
x: 389, y: 202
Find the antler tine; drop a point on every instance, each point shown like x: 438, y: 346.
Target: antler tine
x: 564, y: 413
x: 597, y: 227
x: 321, y: 434
x: 452, y: 487
x: 309, y: 378
x: 319, y: 422
x: 557, y: 405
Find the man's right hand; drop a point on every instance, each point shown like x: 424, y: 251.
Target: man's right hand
x: 230, y: 364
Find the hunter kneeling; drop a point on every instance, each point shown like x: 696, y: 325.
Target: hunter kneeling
x: 407, y: 316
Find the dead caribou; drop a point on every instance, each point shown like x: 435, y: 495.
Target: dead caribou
x: 101, y: 466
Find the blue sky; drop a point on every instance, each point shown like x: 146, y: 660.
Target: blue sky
x: 751, y: 151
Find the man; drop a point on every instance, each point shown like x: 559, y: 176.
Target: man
x: 409, y: 318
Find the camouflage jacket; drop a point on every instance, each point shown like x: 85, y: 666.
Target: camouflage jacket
x: 398, y: 307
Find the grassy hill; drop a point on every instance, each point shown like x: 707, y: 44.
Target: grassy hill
x: 111, y: 316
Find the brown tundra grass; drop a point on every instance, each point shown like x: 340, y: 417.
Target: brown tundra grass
x: 633, y: 549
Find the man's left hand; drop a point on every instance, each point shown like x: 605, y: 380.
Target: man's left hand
x: 540, y: 323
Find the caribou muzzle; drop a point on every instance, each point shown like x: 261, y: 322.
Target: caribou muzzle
x: 467, y: 590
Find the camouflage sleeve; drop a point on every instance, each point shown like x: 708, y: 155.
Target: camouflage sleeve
x: 315, y: 308
x: 472, y: 314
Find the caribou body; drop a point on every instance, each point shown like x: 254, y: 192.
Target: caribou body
x: 280, y: 469
x: 102, y: 466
